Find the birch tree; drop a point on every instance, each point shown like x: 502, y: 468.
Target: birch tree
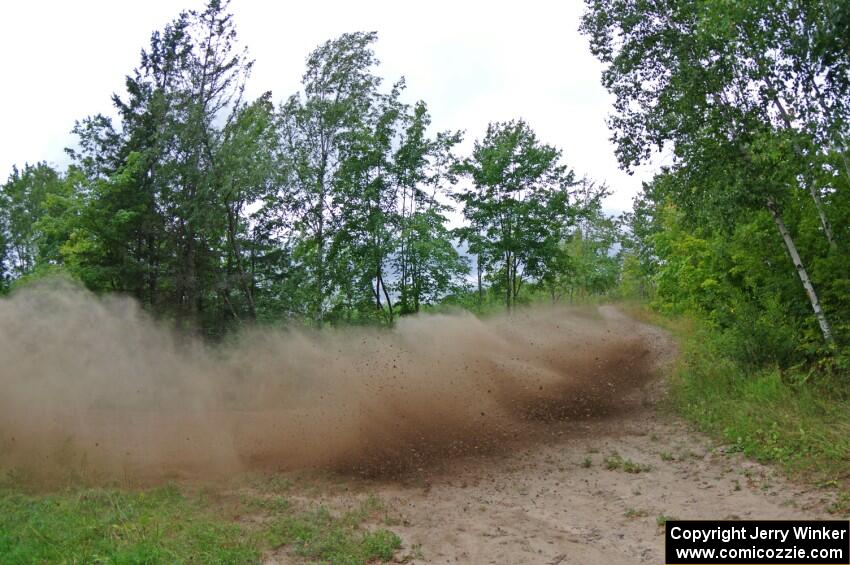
x: 711, y: 82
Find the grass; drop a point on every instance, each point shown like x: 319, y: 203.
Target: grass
x: 176, y: 525
x: 662, y: 519
x: 633, y: 513
x: 111, y: 526
x: 761, y: 414
x: 770, y: 415
x: 615, y: 462
x: 320, y: 535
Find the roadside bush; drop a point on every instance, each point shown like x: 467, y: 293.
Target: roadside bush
x: 732, y: 387
x: 760, y: 337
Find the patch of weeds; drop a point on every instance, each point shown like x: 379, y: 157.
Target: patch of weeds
x: 841, y: 505
x: 635, y: 513
x: 380, y: 544
x: 372, y: 505
x: 667, y: 456
x: 587, y: 463
x: 319, y: 535
x: 630, y: 466
x: 615, y: 462
x: 662, y: 519
x: 390, y: 520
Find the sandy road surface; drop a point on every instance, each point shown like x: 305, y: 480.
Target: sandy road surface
x: 576, y: 498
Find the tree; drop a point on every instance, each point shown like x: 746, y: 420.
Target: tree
x: 161, y: 176
x: 338, y: 91
x: 427, y: 262
x: 366, y: 237
x: 640, y: 258
x: 519, y: 206
x: 703, y: 79
x: 585, y: 261
x: 358, y: 201
x: 23, y: 201
x: 247, y: 174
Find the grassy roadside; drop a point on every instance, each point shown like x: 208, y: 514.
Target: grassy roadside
x: 770, y: 415
x: 175, y: 524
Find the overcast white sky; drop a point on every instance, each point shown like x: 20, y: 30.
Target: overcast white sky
x: 471, y: 61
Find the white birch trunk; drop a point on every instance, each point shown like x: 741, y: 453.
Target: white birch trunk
x: 801, y: 271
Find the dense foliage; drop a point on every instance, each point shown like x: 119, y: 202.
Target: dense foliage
x: 750, y: 226
x: 332, y: 207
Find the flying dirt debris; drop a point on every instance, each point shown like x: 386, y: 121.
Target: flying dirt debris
x: 95, y: 387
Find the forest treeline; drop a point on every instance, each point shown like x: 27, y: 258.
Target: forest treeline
x: 340, y: 204
x: 749, y: 226
x: 331, y: 206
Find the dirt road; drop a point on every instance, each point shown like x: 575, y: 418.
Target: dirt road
x: 596, y: 492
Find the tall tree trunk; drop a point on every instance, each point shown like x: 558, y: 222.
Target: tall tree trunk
x: 404, y: 299
x: 320, y: 273
x: 838, y: 143
x: 846, y: 164
x: 236, y: 249
x: 416, y: 280
x: 801, y: 271
x: 480, y: 288
x: 508, y: 281
x: 153, y: 269
x: 516, y: 281
x: 377, y: 289
x: 824, y: 221
x: 808, y: 177
x: 190, y: 284
x: 387, y: 298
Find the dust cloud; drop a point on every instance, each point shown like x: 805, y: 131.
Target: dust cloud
x: 95, y: 388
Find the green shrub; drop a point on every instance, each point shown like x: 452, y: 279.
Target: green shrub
x: 770, y: 414
x: 757, y: 337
